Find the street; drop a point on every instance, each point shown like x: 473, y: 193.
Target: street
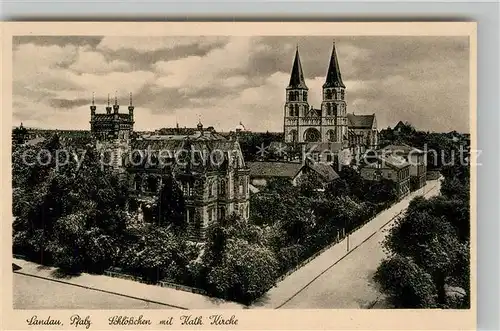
x: 36, y: 293
x: 336, y: 280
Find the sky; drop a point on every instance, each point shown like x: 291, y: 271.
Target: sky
x: 227, y: 80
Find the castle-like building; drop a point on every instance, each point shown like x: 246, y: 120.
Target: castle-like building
x: 330, y: 125
x: 208, y: 168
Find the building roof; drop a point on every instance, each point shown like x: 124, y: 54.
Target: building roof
x: 202, y: 153
x: 297, y: 76
x: 321, y: 147
x: 324, y: 170
x: 274, y: 169
x: 389, y: 161
x: 400, y: 124
x: 402, y: 149
x: 361, y: 121
x: 333, y: 76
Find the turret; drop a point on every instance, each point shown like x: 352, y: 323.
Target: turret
x: 116, y: 106
x: 131, y: 109
x: 92, y: 106
x: 108, y: 107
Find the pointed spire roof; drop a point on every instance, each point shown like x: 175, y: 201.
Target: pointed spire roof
x: 333, y: 76
x: 297, y: 76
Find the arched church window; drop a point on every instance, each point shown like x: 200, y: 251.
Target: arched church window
x: 328, y: 94
x: 213, y: 189
x: 290, y: 96
x: 305, y: 96
x: 296, y: 110
x: 328, y: 109
x: 222, y: 190
x: 335, y: 109
x: 291, y: 110
x: 297, y: 95
x: 342, y: 94
x: 335, y: 94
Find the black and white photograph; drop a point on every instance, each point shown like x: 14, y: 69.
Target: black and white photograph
x: 239, y: 172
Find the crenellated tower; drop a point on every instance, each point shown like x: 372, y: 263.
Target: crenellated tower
x: 112, y: 131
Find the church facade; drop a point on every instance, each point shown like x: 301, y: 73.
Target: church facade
x: 330, y: 124
x: 207, y: 169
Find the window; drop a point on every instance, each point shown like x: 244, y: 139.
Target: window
x: 213, y: 189
x: 342, y: 94
x: 187, y: 190
x: 335, y: 109
x: 209, y: 212
x: 305, y: 96
x: 291, y: 110
x: 334, y: 94
x: 296, y: 110
x: 296, y: 95
x: 241, y: 186
x: 290, y: 96
x: 328, y: 94
x: 222, y: 190
x: 328, y: 109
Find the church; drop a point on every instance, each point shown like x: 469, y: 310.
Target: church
x: 330, y: 126
x: 208, y: 168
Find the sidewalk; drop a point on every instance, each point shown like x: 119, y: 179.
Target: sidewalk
x: 297, y: 281
x: 127, y: 288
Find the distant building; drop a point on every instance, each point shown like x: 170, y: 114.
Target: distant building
x: 363, y: 134
x: 399, y: 127
x: 415, y: 157
x: 390, y: 167
x: 262, y: 172
x: 331, y: 128
x: 19, y: 135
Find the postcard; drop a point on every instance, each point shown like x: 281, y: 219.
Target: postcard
x: 233, y: 175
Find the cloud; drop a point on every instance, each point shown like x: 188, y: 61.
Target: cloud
x: 148, y: 44
x: 95, y: 62
x: 226, y: 80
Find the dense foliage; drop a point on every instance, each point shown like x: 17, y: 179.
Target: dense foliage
x: 428, y: 249
x: 73, y: 214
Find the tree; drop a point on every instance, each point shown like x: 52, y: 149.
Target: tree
x: 405, y: 283
x: 430, y: 242
x: 171, y: 204
x: 245, y: 273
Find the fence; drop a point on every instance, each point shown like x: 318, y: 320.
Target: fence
x: 118, y: 274
x: 335, y: 242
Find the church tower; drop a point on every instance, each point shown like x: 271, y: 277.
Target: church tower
x: 333, y: 105
x: 296, y: 105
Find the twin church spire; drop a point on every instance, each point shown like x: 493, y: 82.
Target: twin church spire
x: 303, y: 123
x: 333, y: 76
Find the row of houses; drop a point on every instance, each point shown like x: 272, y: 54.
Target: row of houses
x: 402, y: 164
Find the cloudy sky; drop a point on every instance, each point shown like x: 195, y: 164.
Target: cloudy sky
x: 225, y: 80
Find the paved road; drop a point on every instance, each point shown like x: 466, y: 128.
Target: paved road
x: 349, y: 284
x: 36, y: 293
